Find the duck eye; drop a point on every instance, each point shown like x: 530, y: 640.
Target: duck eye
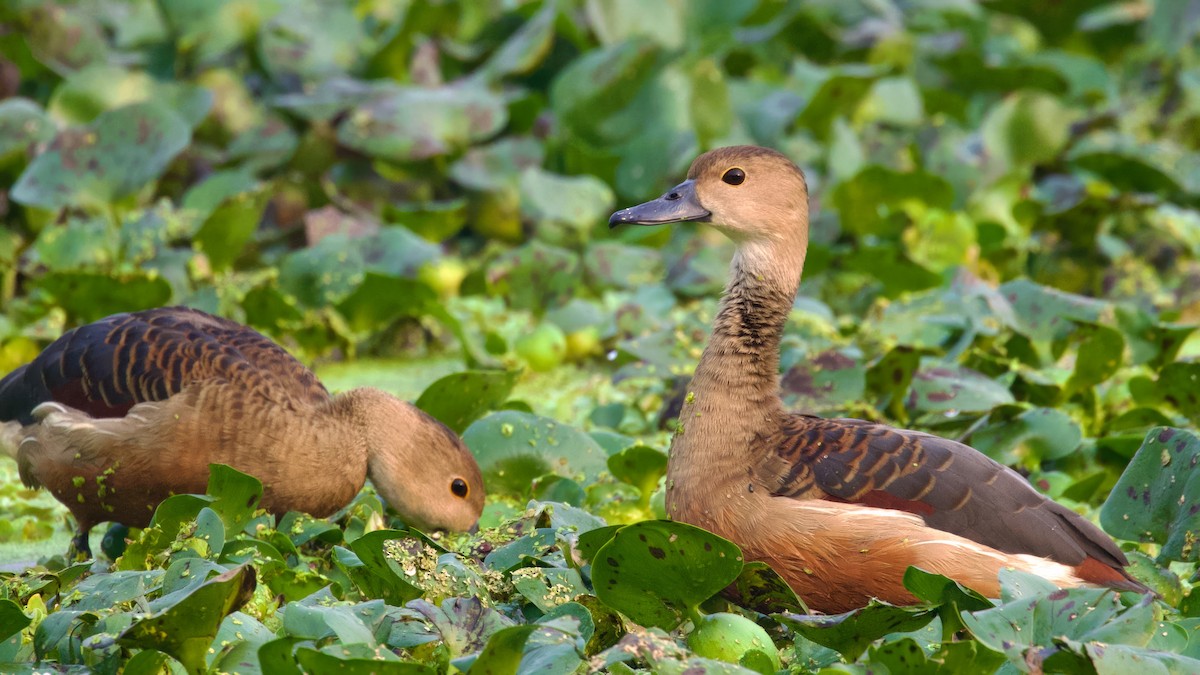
x: 459, y: 487
x: 734, y: 176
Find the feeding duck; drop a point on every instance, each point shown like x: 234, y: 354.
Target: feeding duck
x: 839, y: 507
x: 117, y: 415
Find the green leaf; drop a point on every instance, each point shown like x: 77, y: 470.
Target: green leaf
x: 464, y: 624
x: 23, y: 124
x: 1179, y: 385
x: 108, y: 160
x: 1045, y: 313
x: 408, y: 123
x: 594, y: 87
x: 563, y: 208
x: 760, y: 588
x: 1157, y: 498
x: 639, y: 465
x: 1026, y: 128
x: 370, y: 551
x: 459, y: 399
x: 315, y: 661
x: 535, y: 276
x: 867, y: 201
x: 513, y: 448
x: 503, y: 652
x: 658, y: 572
x: 526, y: 47
x: 1028, y: 439
x: 952, y: 388
x: 91, y: 296
x: 12, y: 619
x: 187, y: 627
x: 1100, y: 355
x: 851, y: 633
x: 237, y: 495
x: 226, y: 232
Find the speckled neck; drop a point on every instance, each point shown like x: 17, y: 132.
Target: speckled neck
x: 733, y: 400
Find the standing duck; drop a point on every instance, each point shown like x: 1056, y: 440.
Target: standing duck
x: 117, y: 415
x: 839, y: 507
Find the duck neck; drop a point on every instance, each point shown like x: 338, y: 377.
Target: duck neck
x: 734, y: 395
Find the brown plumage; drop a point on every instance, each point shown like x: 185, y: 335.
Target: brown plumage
x: 117, y: 415
x: 839, y: 507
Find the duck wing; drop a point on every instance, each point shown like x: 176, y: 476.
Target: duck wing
x: 952, y: 486
x: 107, y: 367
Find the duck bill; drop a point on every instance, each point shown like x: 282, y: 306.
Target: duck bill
x: 677, y: 206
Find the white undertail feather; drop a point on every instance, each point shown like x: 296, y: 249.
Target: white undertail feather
x: 10, y: 438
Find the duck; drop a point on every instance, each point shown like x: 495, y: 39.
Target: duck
x: 116, y: 415
x: 839, y: 507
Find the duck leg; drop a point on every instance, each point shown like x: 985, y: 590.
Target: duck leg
x: 80, y: 550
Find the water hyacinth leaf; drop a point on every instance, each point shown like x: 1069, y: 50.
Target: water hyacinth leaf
x: 64, y: 41
x: 535, y: 276
x: 239, y: 637
x: 611, y: 264
x: 1045, y: 313
x: 760, y: 588
x: 866, y: 201
x: 851, y: 633
x: 378, y: 662
x: 1157, y: 498
x: 433, y: 221
x: 77, y: 244
x: 1027, y: 128
x: 558, y: 644
x: 371, y: 549
x: 503, y: 652
x: 379, y: 299
x: 498, y: 165
x: 459, y: 399
x: 526, y: 47
x: 1179, y: 385
x: 186, y: 628
x: 1100, y: 355
x: 564, y: 207
x: 90, y: 296
x: 594, y: 87
x: 838, y: 96
x: 408, y: 123
x: 1115, y: 659
x: 950, y: 597
x: 464, y: 624
x: 236, y: 495
x: 225, y: 233
x: 23, y: 124
x: 513, y: 448
x: 1128, y: 172
x: 944, y: 389
x: 102, y: 591
x: 658, y: 572
x: 827, y: 381
x: 12, y: 619
x: 311, y: 40
x: 548, y: 587
x: 1038, y: 621
x: 1029, y: 438
x: 111, y: 158
x: 639, y: 465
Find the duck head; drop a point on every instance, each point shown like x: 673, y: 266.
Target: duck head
x: 748, y: 192
x: 419, y: 466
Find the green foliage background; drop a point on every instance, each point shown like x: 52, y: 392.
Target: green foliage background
x: 1005, y: 249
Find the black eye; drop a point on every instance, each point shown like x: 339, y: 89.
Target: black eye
x: 734, y: 176
x: 459, y: 487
